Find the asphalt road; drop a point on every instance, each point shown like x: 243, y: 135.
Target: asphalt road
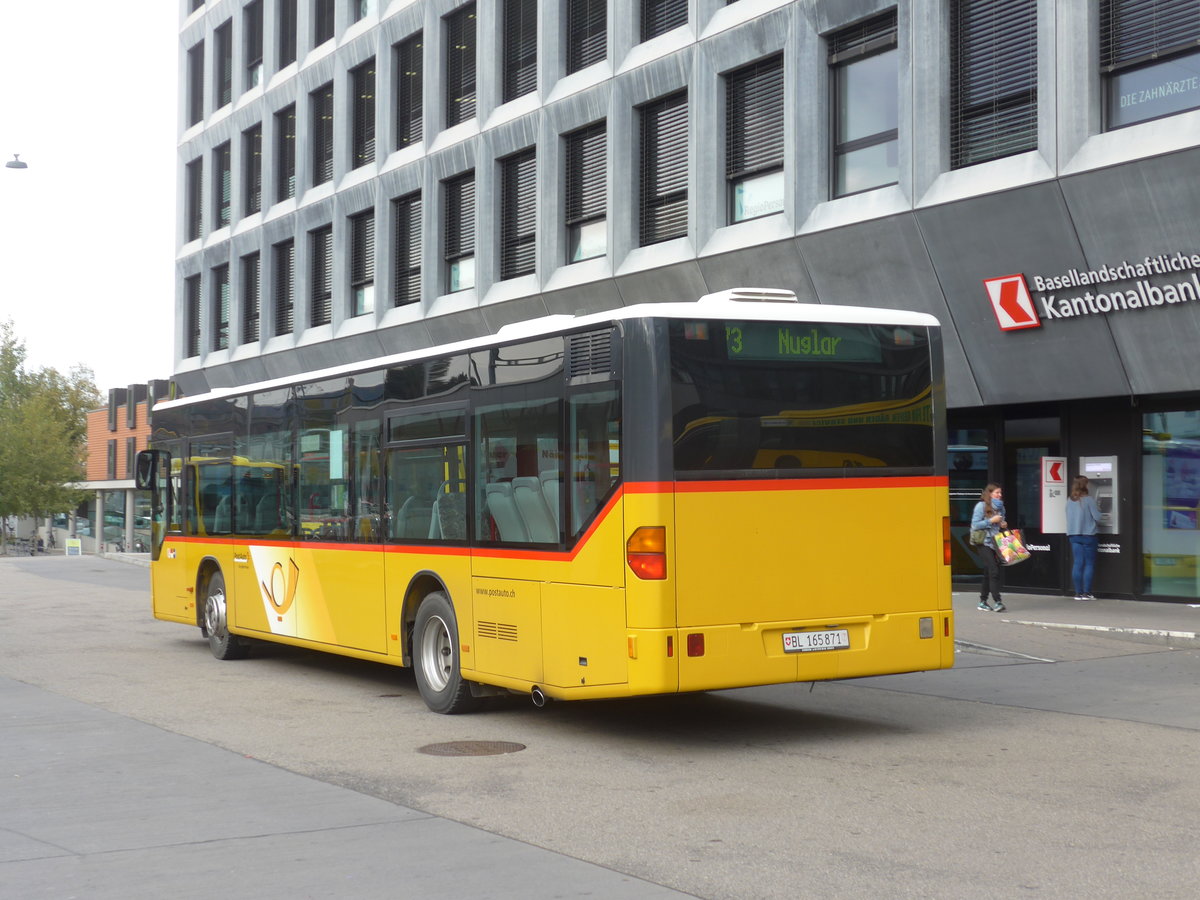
x: 1055, y: 765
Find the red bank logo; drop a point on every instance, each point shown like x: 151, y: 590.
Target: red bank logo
x: 1011, y: 302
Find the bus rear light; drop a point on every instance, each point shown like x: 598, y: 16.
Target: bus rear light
x: 646, y: 552
x: 925, y: 627
x: 945, y: 540
x: 695, y: 645
x: 670, y: 646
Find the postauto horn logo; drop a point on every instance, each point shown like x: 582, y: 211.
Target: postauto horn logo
x: 1012, y: 303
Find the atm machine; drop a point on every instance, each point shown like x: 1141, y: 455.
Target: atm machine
x: 1101, y: 472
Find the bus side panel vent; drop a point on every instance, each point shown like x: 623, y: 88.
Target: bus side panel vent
x: 590, y: 357
x: 499, y: 631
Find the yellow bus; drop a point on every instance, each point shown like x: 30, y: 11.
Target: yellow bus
x: 739, y: 490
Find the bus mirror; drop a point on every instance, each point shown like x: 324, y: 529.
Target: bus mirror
x: 146, y: 469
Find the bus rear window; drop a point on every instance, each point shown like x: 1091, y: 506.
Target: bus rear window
x: 769, y: 398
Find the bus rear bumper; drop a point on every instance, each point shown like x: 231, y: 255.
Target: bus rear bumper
x: 728, y: 656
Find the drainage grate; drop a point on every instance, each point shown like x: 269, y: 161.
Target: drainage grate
x: 471, y: 748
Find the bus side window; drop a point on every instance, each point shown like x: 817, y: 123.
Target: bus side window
x: 519, y: 449
x: 595, y: 428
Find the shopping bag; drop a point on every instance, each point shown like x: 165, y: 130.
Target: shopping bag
x: 1011, y: 548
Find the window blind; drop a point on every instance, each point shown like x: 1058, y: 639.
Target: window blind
x: 321, y: 248
x: 587, y: 180
x: 664, y: 172
x: 460, y: 65
x: 1134, y: 31
x: 587, y: 33
x: 518, y: 215
x: 754, y: 118
x: 363, y: 84
x: 993, y: 79
x: 285, y: 283
x: 409, y: 85
x: 520, y: 48
x: 407, y: 269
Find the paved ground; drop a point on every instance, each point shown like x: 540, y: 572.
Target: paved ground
x: 95, y: 804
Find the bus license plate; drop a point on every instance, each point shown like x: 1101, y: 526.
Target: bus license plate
x: 807, y: 641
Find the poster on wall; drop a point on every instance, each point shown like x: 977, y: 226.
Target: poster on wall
x: 1181, y: 487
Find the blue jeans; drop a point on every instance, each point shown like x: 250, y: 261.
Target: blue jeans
x: 1083, y: 552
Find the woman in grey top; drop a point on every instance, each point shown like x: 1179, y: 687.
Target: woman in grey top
x: 1083, y: 515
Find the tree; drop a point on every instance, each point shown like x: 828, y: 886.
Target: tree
x: 43, y: 432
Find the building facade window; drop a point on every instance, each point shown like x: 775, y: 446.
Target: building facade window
x: 223, y: 64
x: 362, y: 81
x: 518, y: 214
x: 130, y: 456
x: 252, y: 169
x: 1171, y: 500
x: 362, y: 263
x: 194, y: 199
x: 460, y: 65
x: 406, y: 223
x: 520, y: 48
x: 323, y: 22
x: 993, y: 79
x: 360, y: 9
x: 195, y: 84
x: 321, y: 107
x: 409, y: 85
x: 222, y: 185
x: 110, y: 470
x: 459, y: 238
x: 663, y: 198
x: 220, y: 308
x: 586, y: 192
x: 754, y: 140
x: 251, y: 297
x: 252, y: 34
x: 320, y: 250
x: 191, y: 316
x: 1149, y: 57
x: 865, y: 71
x: 287, y: 32
x: 284, y: 272
x: 660, y: 16
x: 285, y: 153
x: 587, y: 33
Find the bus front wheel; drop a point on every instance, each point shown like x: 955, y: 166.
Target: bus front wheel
x: 216, y: 625
x: 436, y: 660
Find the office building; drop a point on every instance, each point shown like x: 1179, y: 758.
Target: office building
x: 361, y: 178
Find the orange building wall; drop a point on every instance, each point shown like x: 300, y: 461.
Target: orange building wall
x: 98, y: 437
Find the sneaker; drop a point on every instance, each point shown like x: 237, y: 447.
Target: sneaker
x: 983, y: 604
x: 1000, y: 607
x: 1088, y: 597
x: 1080, y: 597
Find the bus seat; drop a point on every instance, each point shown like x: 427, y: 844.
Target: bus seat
x: 450, y: 516
x: 266, y: 514
x: 501, y: 505
x: 551, y: 482
x: 222, y: 523
x: 414, y: 518
x: 527, y: 492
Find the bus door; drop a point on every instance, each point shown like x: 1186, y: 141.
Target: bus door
x: 264, y: 565
x: 168, y: 575
x: 339, y: 553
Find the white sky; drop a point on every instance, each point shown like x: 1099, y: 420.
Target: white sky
x: 87, y: 232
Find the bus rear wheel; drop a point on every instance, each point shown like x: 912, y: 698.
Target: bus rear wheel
x: 436, y: 660
x: 216, y: 625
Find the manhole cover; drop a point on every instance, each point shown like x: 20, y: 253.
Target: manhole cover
x: 471, y: 748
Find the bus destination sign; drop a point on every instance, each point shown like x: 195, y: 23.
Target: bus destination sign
x: 801, y: 342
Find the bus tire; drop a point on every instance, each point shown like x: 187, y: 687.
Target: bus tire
x: 216, y: 625
x: 436, y: 657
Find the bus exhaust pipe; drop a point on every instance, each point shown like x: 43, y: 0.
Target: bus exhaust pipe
x: 539, y: 699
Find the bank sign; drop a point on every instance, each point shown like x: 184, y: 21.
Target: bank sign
x: 1153, y: 281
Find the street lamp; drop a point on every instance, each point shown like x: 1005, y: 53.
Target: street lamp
x: 15, y: 163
